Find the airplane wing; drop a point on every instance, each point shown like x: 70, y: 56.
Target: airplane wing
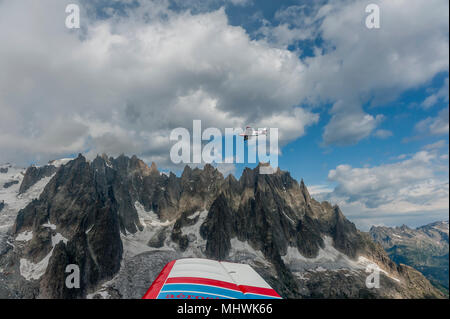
x: 194, y: 278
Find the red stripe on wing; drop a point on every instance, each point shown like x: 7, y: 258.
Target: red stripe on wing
x: 259, y: 291
x: 202, y: 281
x: 155, y: 288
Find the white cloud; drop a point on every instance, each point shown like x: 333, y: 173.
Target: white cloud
x: 382, y: 133
x: 409, y: 49
x: 121, y: 84
x: 437, y: 125
x: 380, y: 184
x: 291, y: 124
x: 437, y: 145
x: 356, y: 65
x: 319, y: 189
x: 349, y: 128
x: 417, y: 186
x: 283, y: 35
x: 242, y: 3
x: 441, y: 94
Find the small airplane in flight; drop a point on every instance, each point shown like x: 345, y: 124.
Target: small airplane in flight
x: 249, y: 132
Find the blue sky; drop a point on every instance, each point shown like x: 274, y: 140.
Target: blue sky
x: 362, y: 113
x: 401, y: 117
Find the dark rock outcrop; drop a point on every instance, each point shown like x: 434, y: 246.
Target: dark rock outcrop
x: 9, y: 184
x: 34, y: 174
x: 217, y: 229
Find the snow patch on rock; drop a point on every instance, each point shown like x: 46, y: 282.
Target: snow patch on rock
x: 197, y: 245
x: 49, y: 225
x: 60, y: 162
x: 328, y: 258
x: 13, y: 201
x: 149, y: 218
x: 24, y: 236
x: 242, y: 252
x: 137, y: 243
x: 364, y: 262
x: 30, y: 270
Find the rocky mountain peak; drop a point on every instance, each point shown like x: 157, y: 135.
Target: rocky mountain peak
x: 140, y: 167
x: 230, y: 179
x: 404, y: 228
x: 187, y: 172
x: 305, y: 192
x: 154, y: 168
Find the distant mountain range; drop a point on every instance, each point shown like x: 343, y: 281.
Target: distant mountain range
x: 424, y: 248
x: 121, y: 221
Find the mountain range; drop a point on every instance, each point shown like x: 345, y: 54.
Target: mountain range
x: 120, y: 221
x: 424, y: 248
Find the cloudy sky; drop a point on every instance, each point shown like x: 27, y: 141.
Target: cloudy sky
x: 363, y: 114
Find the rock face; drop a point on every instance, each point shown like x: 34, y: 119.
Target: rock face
x: 34, y: 174
x: 424, y: 248
x: 120, y: 221
x: 9, y: 184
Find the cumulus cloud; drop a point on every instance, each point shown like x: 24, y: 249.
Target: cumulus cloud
x: 283, y: 35
x: 120, y: 84
x: 292, y: 122
x: 415, y: 186
x: 381, y: 184
x: 347, y: 128
x: 372, y: 64
x: 356, y: 66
